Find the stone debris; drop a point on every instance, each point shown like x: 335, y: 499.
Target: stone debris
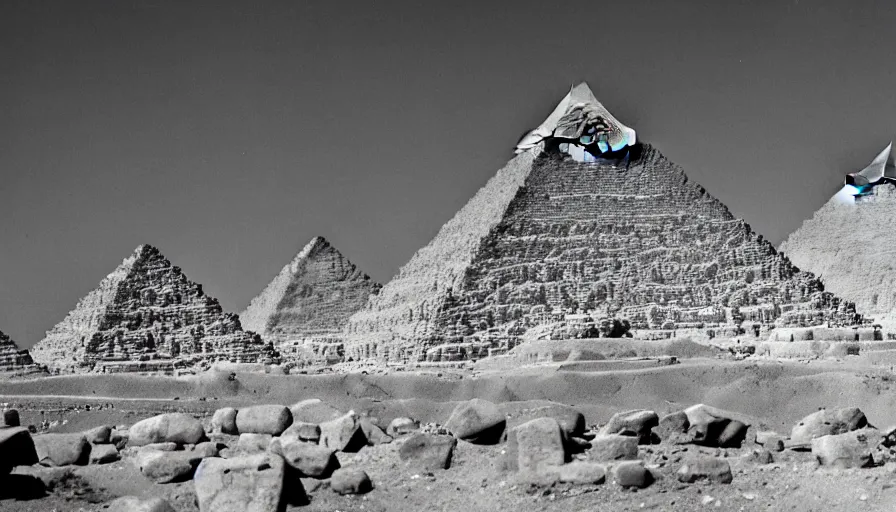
x: 178, y: 428
x: 477, y: 421
x: 224, y: 421
x: 103, y: 454
x: 350, y: 481
x: 714, y: 427
x: 632, y: 474
x: 535, y: 444
x: 62, y: 449
x: 310, y: 460
x: 252, y: 483
x: 638, y: 423
x: 853, y: 449
x: 263, y: 419
x: 402, y: 426
x: 251, y: 443
x: 613, y: 447
x: 827, y: 422
x: 302, y: 431
x: 343, y: 434
x: 428, y: 452
x: 714, y: 469
x: 99, y: 435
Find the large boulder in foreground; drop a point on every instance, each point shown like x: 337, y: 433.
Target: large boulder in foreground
x: 428, y: 452
x: 310, y: 460
x: 224, y: 421
x: 172, y: 427
x: 343, y: 434
x: 827, y: 422
x: 852, y: 449
x: 637, y: 423
x: 535, y: 445
x: 62, y: 449
x: 263, y: 419
x: 477, y: 421
x: 16, y: 449
x: 249, y: 484
x: 632, y: 474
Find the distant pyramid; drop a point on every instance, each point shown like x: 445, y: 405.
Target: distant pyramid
x: 850, y: 242
x: 585, y: 223
x: 15, y: 360
x: 303, y: 311
x: 146, y: 315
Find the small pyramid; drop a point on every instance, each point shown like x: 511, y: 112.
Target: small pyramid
x: 15, y: 360
x: 147, y: 316
x: 849, y: 242
x: 555, y: 242
x: 305, y: 307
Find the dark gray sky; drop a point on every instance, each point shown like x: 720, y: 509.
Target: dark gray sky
x: 230, y: 133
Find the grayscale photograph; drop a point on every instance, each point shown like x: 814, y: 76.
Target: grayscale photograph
x: 331, y: 256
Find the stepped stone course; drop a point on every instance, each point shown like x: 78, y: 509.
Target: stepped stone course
x: 303, y: 311
x: 16, y: 360
x: 147, y: 316
x: 551, y: 245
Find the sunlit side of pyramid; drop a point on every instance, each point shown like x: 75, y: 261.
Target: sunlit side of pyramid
x: 586, y: 223
x: 147, y: 316
x: 850, y: 242
x: 304, y: 309
x: 15, y: 360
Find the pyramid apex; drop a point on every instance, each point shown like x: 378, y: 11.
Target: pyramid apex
x: 583, y: 127
x: 879, y: 168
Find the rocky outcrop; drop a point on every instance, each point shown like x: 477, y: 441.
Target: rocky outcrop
x: 147, y: 316
x: 15, y: 360
x: 848, y: 244
x: 304, y: 309
x: 550, y: 246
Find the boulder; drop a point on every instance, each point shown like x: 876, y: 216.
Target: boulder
x: 49, y: 477
x: 263, y: 419
x: 852, y: 449
x: 713, y: 469
x: 535, y: 444
x: 250, y: 443
x: 135, y: 504
x: 103, y: 454
x: 350, y: 481
x: 373, y: 432
x: 827, y: 422
x: 250, y: 483
x: 310, y: 460
x: 314, y: 411
x: 638, y: 423
x: 632, y: 474
x: 673, y: 428
x: 582, y: 473
x: 171, y: 427
x: 571, y: 420
x: 119, y: 438
x: 167, y: 467
x: 224, y: 421
x: 714, y: 427
x: 16, y: 449
x: 477, y: 421
x: 160, y: 447
x: 428, y: 452
x: 402, y: 427
x: 11, y: 418
x: 772, y: 441
x: 99, y: 435
x: 343, y: 434
x: 62, y: 449
x: 610, y: 447
x: 302, y: 431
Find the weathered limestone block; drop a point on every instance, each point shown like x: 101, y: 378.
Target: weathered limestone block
x: 828, y: 422
x: 428, y: 452
x: 252, y: 483
x: 263, y: 419
x: 172, y: 427
x: 62, y: 449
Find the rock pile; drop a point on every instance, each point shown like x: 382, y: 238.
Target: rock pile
x: 304, y: 309
x: 147, y: 316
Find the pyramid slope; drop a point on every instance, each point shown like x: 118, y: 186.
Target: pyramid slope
x: 311, y: 297
x: 15, y: 360
x: 146, y: 310
x: 634, y: 239
x: 851, y: 246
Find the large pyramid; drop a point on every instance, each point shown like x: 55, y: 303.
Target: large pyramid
x: 586, y: 223
x: 850, y: 242
x: 147, y: 316
x: 303, y: 311
x: 15, y: 360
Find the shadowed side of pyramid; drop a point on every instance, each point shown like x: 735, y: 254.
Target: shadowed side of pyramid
x: 304, y: 309
x: 147, y: 316
x: 554, y: 243
x: 850, y: 244
x: 14, y: 360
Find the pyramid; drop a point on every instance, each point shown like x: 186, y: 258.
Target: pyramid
x: 556, y: 240
x: 850, y: 242
x: 304, y: 309
x: 147, y: 316
x: 15, y: 360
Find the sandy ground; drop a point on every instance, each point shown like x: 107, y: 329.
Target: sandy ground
x: 770, y: 394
